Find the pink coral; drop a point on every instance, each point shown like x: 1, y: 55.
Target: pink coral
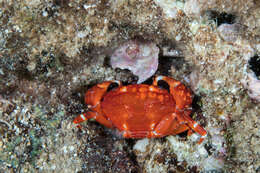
x: 253, y: 86
x: 139, y: 57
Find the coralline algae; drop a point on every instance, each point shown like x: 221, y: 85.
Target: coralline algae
x: 251, y: 81
x: 141, y: 58
x: 253, y: 86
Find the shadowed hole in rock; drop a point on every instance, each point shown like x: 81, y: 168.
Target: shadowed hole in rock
x: 106, y: 62
x: 221, y: 18
x: 148, y: 81
x: 126, y: 76
x: 183, y: 134
x: 166, y: 62
x: 196, y: 113
x: 254, y: 65
x: 196, y: 103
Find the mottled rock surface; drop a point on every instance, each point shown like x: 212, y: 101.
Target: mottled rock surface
x: 52, y: 51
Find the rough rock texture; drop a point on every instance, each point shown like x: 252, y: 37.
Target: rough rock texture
x: 52, y: 51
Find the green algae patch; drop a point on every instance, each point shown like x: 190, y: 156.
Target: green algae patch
x: 35, y: 145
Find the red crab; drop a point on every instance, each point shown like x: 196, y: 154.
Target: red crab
x: 142, y: 111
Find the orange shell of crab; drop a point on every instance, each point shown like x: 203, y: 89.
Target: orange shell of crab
x: 140, y: 110
x: 137, y: 109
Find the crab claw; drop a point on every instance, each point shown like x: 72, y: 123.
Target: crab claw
x: 94, y: 95
x: 180, y: 93
x: 183, y: 97
x: 92, y: 98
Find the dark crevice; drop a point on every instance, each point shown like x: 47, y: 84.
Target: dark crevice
x: 221, y: 18
x: 165, y: 63
x: 254, y: 65
x: 148, y: 81
x: 183, y: 134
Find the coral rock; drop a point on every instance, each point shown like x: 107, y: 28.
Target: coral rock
x: 253, y: 86
x: 139, y: 57
x: 229, y: 32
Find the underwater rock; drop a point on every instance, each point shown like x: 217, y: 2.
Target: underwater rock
x: 212, y: 164
x: 218, y: 142
x: 141, y: 58
x: 171, y: 8
x: 254, y: 65
x: 141, y: 145
x: 222, y: 17
x: 229, y: 32
x: 253, y: 86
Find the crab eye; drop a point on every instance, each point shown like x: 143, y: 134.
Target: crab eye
x: 163, y: 85
x: 112, y: 86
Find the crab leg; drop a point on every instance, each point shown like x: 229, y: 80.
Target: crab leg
x: 194, y: 126
x: 84, y: 117
x: 181, y: 128
x: 89, y: 115
x: 95, y: 94
x: 164, y: 125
